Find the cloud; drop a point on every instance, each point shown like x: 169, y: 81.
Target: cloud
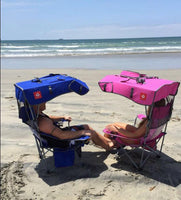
x: 20, y: 3
x: 116, y: 31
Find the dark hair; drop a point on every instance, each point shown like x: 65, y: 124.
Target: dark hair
x: 160, y: 103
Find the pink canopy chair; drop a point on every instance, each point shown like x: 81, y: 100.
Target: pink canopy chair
x: 143, y: 90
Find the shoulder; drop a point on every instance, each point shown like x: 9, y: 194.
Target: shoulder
x: 42, y: 119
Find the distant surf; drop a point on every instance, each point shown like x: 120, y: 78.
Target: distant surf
x: 45, y: 48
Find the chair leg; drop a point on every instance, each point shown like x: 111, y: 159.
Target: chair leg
x: 143, y: 158
x: 39, y: 150
x: 143, y: 161
x: 78, y: 150
x: 131, y: 160
x: 42, y: 156
x: 161, y: 145
x: 152, y: 150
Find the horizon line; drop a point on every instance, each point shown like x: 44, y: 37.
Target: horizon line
x: 91, y: 38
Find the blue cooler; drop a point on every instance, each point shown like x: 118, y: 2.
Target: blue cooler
x: 63, y: 158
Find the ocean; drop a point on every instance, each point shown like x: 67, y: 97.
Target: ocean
x: 42, y: 48
x: 91, y: 53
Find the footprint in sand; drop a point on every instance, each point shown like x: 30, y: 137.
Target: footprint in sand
x: 12, y: 180
x: 176, y: 119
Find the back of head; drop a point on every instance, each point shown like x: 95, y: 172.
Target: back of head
x: 160, y: 103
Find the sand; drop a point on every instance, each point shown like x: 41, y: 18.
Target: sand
x: 98, y: 174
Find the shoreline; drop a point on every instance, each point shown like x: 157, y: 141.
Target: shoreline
x: 87, y: 69
x: 112, y: 62
x: 92, y: 55
x: 162, y: 72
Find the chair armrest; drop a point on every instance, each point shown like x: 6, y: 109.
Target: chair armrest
x: 82, y: 138
x: 139, y: 116
x: 61, y: 121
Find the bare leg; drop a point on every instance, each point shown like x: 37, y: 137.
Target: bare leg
x: 126, y: 130
x: 122, y: 128
x: 99, y: 139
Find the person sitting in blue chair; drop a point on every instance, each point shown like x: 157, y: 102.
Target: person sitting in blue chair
x: 46, y: 125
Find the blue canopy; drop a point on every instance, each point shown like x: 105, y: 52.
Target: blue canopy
x: 44, y: 89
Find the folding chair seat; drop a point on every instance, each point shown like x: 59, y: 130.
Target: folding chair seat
x: 48, y: 143
x: 156, y: 131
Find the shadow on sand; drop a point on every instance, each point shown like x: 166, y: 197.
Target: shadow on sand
x: 164, y: 169
x: 84, y: 167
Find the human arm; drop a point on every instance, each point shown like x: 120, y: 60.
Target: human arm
x: 60, y: 118
x: 46, y: 125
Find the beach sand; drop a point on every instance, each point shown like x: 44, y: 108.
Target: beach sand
x: 98, y: 174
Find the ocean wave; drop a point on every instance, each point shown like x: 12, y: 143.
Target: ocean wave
x: 39, y: 46
x: 63, y: 46
x: 15, y: 47
x: 24, y: 50
x: 89, y: 47
x: 126, y: 49
x: 83, y: 54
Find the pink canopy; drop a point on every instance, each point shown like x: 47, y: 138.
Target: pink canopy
x: 139, y: 87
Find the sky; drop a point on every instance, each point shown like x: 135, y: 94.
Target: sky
x: 89, y: 19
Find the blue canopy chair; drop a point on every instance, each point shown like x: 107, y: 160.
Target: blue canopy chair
x: 40, y: 90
